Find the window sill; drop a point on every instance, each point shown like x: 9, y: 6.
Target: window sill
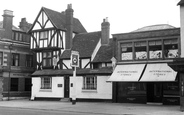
x: 45, y: 90
x: 89, y: 90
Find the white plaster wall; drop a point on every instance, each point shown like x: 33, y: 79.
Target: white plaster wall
x: 182, y: 30
x: 85, y: 62
x: 67, y: 63
x: 55, y: 92
x: 104, y: 89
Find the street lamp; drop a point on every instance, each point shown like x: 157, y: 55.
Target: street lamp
x: 10, y: 58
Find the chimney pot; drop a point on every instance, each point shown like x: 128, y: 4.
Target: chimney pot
x: 8, y: 12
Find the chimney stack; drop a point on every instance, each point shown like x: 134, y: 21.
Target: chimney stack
x: 24, y: 25
x: 8, y: 23
x: 69, y: 26
x: 105, y: 31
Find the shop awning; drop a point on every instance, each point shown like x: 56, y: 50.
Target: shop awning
x: 127, y: 73
x: 158, y: 72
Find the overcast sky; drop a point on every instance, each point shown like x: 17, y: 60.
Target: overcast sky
x: 123, y: 15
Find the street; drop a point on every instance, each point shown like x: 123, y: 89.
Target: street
x: 19, y: 111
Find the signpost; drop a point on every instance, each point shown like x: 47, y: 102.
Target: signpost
x: 74, y: 63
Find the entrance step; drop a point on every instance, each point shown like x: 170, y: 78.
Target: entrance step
x: 65, y: 100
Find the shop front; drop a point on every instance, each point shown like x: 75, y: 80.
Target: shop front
x: 145, y: 83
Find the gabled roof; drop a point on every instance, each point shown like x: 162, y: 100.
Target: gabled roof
x: 58, y: 19
x: 105, y: 53
x: 84, y: 43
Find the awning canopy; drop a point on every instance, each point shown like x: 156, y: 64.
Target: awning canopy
x: 158, y: 72
x: 127, y: 73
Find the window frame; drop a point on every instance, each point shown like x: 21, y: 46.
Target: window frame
x: 15, y: 59
x: 89, y: 82
x: 29, y: 60
x: 46, y: 59
x: 46, y: 83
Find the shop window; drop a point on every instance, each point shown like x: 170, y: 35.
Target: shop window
x: 155, y: 49
x: 90, y: 82
x: 171, y: 48
x: 47, y: 59
x: 14, y: 84
x: 140, y: 50
x: 46, y: 83
x: 1, y: 58
x: 15, y: 59
x: 125, y: 89
x: 126, y: 51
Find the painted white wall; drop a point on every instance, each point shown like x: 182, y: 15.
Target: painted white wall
x: 182, y: 30
x: 67, y: 63
x: 55, y: 92
x: 104, y: 89
x: 85, y: 62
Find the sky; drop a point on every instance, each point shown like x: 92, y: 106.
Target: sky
x: 123, y: 15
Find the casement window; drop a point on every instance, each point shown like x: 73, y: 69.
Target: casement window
x: 126, y: 51
x: 1, y: 58
x: 171, y: 48
x: 90, y: 82
x: 46, y: 83
x: 29, y: 61
x: 43, y: 39
x: 15, y: 59
x: 47, y: 59
x: 14, y: 84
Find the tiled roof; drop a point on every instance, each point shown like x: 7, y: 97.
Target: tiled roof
x: 59, y: 72
x: 105, y: 53
x: 13, y: 27
x: 154, y: 27
x: 84, y: 43
x: 58, y: 19
x: 181, y: 2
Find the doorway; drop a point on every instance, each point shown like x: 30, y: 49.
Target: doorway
x: 66, y: 86
x: 154, y: 92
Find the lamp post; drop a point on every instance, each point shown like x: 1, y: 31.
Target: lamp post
x: 10, y: 58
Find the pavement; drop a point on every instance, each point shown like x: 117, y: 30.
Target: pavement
x: 104, y: 108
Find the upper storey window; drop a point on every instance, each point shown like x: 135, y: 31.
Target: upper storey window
x: 171, y: 48
x: 126, y: 51
x: 155, y: 49
x: 47, y: 59
x: 140, y: 50
x: 149, y: 49
x: 43, y: 39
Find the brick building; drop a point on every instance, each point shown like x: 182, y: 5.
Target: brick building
x: 16, y: 60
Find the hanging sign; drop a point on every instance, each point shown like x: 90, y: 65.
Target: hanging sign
x: 74, y: 59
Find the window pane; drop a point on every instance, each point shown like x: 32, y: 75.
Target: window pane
x: 90, y: 83
x: 46, y: 83
x: 171, y: 48
x: 126, y: 51
x: 155, y: 49
x: 140, y: 50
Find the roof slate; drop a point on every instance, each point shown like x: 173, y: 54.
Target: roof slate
x: 58, y: 20
x: 105, y: 53
x: 84, y: 43
x: 59, y: 72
